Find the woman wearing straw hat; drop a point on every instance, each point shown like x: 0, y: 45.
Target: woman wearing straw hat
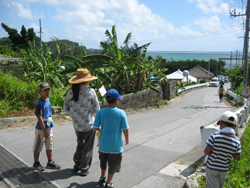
x: 83, y: 105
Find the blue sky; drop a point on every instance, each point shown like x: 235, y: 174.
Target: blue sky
x: 170, y: 25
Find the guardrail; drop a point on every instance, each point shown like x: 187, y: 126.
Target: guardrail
x: 190, y: 87
x: 237, y: 97
x: 242, y: 116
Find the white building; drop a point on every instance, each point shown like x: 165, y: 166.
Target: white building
x: 178, y: 76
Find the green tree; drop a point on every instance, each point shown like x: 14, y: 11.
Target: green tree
x: 216, y: 67
x: 235, y: 76
x: 20, y: 40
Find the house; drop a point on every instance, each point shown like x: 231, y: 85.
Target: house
x: 178, y: 76
x: 201, y: 73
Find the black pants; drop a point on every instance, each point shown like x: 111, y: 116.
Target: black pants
x: 84, y: 150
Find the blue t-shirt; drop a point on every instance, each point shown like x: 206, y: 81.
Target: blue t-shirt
x: 43, y: 108
x: 112, y: 121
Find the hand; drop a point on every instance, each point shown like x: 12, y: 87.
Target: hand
x: 126, y: 141
x: 45, y: 134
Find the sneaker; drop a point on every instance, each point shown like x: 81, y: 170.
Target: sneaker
x: 84, y: 173
x: 52, y: 165
x: 102, y: 180
x: 38, y: 166
x: 109, y: 184
x: 76, y: 168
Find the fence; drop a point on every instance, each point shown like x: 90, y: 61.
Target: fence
x: 242, y: 116
x: 190, y: 87
x: 235, y: 96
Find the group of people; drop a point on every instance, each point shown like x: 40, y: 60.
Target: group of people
x: 83, y: 105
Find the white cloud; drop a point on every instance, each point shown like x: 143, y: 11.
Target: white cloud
x: 23, y: 11
x: 34, y: 26
x: 208, y: 23
x: 100, y: 15
x: 212, y: 6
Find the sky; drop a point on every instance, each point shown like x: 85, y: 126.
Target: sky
x: 170, y: 25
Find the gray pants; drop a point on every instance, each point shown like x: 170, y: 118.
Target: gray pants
x: 215, y: 178
x: 84, y: 150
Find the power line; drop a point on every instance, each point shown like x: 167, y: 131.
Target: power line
x: 197, y: 35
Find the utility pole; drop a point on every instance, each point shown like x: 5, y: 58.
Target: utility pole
x: 231, y: 60
x: 245, y: 70
x: 236, y: 57
x: 40, y: 32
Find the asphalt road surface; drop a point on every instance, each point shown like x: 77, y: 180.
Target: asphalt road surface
x: 157, y: 138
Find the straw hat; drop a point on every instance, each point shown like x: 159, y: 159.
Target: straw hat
x: 82, y: 75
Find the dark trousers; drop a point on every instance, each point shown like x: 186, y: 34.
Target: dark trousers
x: 84, y: 150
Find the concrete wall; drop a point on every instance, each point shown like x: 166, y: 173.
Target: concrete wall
x: 140, y: 99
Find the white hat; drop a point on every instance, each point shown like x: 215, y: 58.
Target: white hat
x: 229, y: 117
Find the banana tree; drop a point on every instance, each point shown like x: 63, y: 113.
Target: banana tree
x: 125, y: 69
x: 41, y: 65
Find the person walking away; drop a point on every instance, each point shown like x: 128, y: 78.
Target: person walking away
x: 221, y: 146
x: 83, y: 104
x: 111, y: 122
x: 43, y: 129
x: 221, y: 92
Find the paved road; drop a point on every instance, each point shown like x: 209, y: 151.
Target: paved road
x: 157, y: 138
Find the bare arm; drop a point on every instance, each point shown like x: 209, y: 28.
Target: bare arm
x: 97, y: 129
x: 40, y: 119
x: 207, y: 150
x: 237, y: 157
x: 125, y: 132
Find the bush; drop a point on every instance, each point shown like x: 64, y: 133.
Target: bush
x: 4, y: 107
x: 57, y: 97
x: 8, y: 51
x: 16, y: 94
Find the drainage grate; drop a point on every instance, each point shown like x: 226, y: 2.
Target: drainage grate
x: 19, y: 174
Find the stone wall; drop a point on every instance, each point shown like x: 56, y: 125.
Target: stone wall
x: 169, y: 90
x: 140, y: 99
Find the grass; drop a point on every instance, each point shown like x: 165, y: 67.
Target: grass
x: 238, y: 174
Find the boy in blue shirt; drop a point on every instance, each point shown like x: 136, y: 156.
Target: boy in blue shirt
x: 43, y: 131
x: 111, y: 122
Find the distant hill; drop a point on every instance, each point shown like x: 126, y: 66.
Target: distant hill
x: 67, y: 47
x: 5, y: 41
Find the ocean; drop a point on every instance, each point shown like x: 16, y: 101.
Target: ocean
x: 200, y: 55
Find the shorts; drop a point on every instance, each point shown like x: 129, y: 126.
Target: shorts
x: 114, y: 161
x: 40, y: 139
x: 220, y: 95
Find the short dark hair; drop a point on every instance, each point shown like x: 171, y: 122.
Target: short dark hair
x: 228, y: 124
x: 111, y: 101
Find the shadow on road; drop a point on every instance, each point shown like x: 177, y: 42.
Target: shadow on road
x: 204, y: 107
x: 85, y: 185
x: 192, y: 168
